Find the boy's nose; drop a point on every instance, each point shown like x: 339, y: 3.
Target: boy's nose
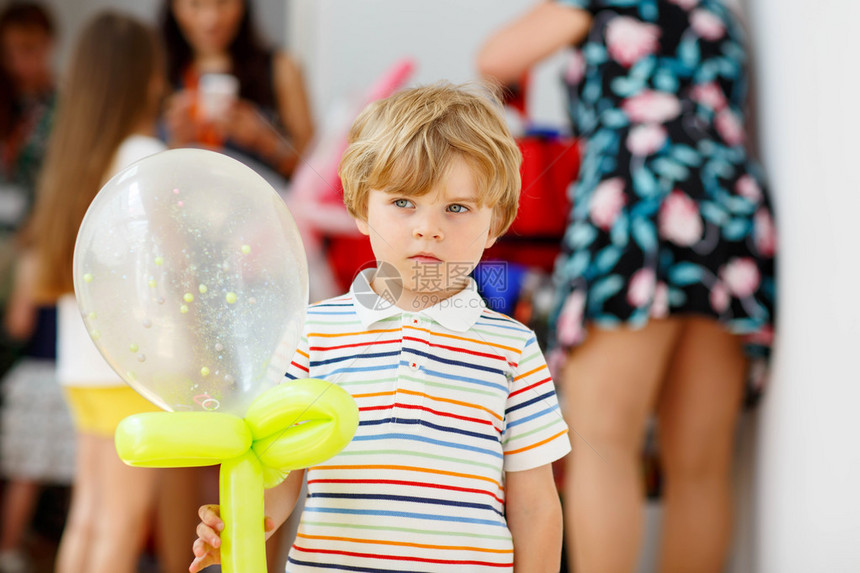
x: 427, y: 228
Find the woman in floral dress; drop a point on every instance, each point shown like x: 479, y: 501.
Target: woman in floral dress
x: 666, y: 280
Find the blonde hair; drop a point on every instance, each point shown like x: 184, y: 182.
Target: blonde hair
x: 405, y: 143
x: 105, y: 98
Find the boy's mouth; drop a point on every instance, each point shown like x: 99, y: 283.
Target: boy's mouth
x: 425, y: 258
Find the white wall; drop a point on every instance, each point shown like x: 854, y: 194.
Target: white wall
x: 806, y: 484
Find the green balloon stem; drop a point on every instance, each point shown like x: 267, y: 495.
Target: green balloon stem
x: 243, y: 541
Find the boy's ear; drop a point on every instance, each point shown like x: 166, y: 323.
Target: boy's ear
x: 363, y: 227
x: 491, y: 240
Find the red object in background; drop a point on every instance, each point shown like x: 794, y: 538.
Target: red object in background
x: 549, y: 166
x: 347, y: 256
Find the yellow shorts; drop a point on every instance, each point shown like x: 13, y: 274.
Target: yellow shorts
x: 97, y: 410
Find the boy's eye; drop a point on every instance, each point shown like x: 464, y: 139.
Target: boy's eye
x: 457, y: 208
x: 403, y: 203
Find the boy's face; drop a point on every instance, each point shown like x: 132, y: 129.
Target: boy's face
x: 433, y: 241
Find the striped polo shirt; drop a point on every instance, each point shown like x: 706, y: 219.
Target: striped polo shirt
x: 450, y: 398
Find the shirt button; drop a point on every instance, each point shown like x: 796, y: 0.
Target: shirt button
x: 414, y: 321
x: 413, y: 365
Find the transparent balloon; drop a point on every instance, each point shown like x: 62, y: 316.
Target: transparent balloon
x: 192, y: 280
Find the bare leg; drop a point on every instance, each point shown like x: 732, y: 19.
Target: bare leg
x: 178, y: 498
x: 128, y: 497
x: 19, y: 501
x: 610, y: 385
x: 73, y: 554
x: 698, y: 411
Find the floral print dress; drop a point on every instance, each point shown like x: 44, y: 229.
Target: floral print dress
x: 669, y: 216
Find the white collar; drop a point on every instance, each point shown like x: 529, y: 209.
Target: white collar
x: 459, y: 312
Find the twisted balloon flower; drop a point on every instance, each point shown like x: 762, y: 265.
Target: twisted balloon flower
x: 291, y: 426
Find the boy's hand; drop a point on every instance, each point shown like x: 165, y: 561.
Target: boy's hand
x: 207, y: 546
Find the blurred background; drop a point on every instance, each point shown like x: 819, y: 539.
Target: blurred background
x: 798, y: 507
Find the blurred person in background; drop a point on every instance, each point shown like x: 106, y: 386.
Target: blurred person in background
x: 34, y: 422
x: 260, y: 113
x: 666, y: 287
x: 27, y: 98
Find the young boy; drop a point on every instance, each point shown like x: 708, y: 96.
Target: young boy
x: 450, y: 467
